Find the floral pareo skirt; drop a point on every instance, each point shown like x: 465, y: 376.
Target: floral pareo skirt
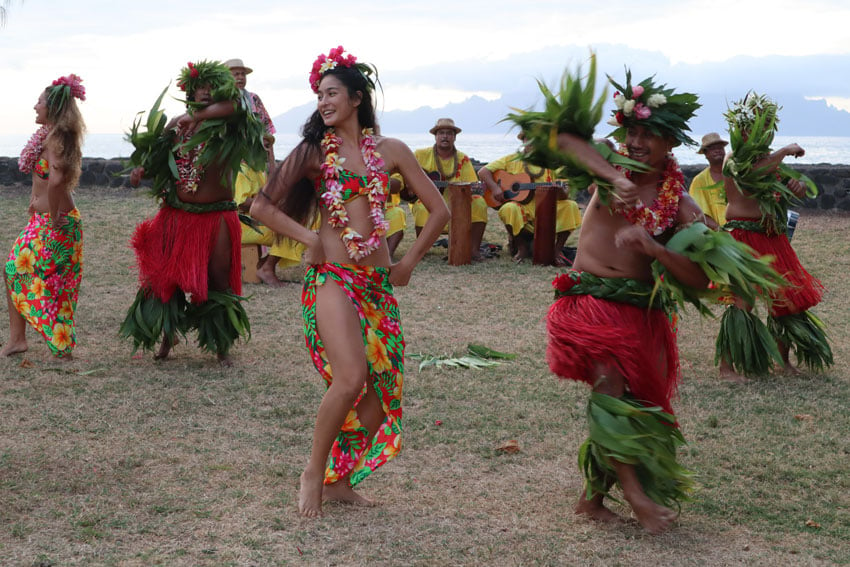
x: 43, y: 275
x: 371, y: 294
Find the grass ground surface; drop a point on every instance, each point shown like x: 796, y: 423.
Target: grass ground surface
x: 113, y: 459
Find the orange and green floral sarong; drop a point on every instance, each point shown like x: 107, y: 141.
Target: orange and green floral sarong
x: 371, y: 294
x: 43, y: 276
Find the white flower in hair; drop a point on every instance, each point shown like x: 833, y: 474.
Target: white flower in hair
x: 656, y: 100
x: 619, y: 100
x: 629, y: 107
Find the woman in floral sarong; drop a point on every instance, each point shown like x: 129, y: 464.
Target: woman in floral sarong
x: 351, y: 320
x: 44, y: 268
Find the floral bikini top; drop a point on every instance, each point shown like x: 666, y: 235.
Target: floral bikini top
x: 42, y: 168
x: 353, y: 185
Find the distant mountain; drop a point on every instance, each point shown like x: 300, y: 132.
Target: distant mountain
x: 716, y: 83
x: 798, y: 117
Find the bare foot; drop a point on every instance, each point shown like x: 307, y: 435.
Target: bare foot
x: 731, y: 376
x: 519, y: 258
x: 269, y: 277
x: 562, y: 261
x: 14, y: 348
x: 310, y: 495
x: 791, y: 370
x: 342, y: 492
x: 595, y: 510
x: 653, y: 517
x: 164, y: 349
x: 224, y: 360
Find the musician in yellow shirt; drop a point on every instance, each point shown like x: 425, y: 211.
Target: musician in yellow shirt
x: 443, y: 162
x: 707, y: 186
x: 519, y: 217
x: 395, y: 215
x: 283, y: 252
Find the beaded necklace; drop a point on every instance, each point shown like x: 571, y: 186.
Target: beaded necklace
x: 356, y: 246
x: 454, y: 169
x: 532, y: 176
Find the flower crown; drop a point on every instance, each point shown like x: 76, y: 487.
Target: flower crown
x: 743, y: 113
x: 63, y: 88
x: 325, y: 63
x: 658, y: 108
x: 212, y: 73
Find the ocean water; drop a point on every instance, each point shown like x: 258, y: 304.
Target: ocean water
x: 482, y: 147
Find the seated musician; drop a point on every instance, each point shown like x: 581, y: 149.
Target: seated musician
x: 519, y: 216
x: 443, y: 162
x: 395, y: 215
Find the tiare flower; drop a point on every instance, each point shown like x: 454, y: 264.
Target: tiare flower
x: 656, y: 100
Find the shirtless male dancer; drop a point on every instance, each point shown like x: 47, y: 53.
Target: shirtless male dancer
x: 599, y: 331
x: 191, y: 248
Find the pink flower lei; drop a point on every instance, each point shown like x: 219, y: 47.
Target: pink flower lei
x: 356, y: 246
x: 659, y: 216
x: 325, y: 63
x: 32, y: 151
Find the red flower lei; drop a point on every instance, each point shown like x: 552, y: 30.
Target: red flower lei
x: 659, y: 216
x: 356, y: 246
x: 32, y: 151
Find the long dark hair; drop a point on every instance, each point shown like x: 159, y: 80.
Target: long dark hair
x: 300, y: 201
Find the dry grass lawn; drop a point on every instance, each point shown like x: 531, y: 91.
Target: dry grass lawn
x: 113, y: 459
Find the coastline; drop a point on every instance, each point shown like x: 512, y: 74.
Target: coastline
x: 833, y: 180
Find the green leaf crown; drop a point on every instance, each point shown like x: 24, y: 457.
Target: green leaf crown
x: 743, y: 114
x: 661, y: 109
x: 212, y: 73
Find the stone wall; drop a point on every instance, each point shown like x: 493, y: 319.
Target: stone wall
x: 832, y: 180
x: 96, y: 172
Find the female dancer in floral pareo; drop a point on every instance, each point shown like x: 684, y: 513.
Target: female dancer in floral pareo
x: 44, y: 269
x: 350, y: 316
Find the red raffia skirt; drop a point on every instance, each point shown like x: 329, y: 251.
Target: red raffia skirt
x: 804, y: 292
x: 586, y: 332
x: 173, y: 250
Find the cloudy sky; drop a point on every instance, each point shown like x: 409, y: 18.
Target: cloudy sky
x: 127, y: 52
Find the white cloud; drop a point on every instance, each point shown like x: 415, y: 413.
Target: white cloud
x: 840, y: 103
x: 128, y: 51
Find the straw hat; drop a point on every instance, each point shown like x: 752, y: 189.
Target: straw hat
x: 445, y: 124
x: 709, y: 140
x: 237, y: 64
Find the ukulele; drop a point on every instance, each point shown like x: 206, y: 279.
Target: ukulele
x: 520, y: 188
x: 477, y: 187
x: 437, y: 179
